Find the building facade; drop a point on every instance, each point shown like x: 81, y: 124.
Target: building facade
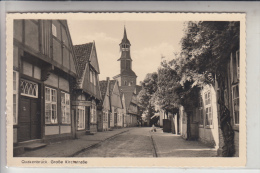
x: 87, y: 90
x: 44, y: 73
x: 106, y: 103
x: 216, y: 120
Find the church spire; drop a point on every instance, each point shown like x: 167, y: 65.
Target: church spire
x: 125, y: 39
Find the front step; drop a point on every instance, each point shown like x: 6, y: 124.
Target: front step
x: 30, y: 145
x: 18, y: 150
x: 34, y: 146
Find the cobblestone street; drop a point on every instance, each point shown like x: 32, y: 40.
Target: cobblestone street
x: 140, y: 142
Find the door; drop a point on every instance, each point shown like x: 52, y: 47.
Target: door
x: 87, y: 122
x: 29, y: 119
x: 100, y: 121
x: 115, y: 118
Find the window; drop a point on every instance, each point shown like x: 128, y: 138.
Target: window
x: 90, y: 76
x: 29, y: 89
x: 65, y: 108
x: 93, y: 114
x: 125, y: 82
x: 94, y: 78
x: 54, y: 30
x: 104, y: 116
x: 50, y: 106
x: 235, y: 67
x: 15, y: 97
x: 235, y: 100
x: 81, y: 117
x: 237, y: 64
x: 201, y: 111
x: 208, y: 109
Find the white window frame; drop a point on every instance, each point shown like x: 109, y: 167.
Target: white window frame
x: 233, y: 99
x: 28, y: 94
x: 49, y: 100
x: 208, y: 109
x: 66, y: 106
x: 15, y: 102
x: 81, y: 117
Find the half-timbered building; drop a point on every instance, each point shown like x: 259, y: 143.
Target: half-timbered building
x: 87, y: 89
x: 44, y: 70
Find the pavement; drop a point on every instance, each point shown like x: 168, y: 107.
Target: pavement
x: 69, y: 148
x: 126, y: 142
x: 171, y: 145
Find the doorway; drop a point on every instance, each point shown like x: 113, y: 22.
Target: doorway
x: 29, y: 119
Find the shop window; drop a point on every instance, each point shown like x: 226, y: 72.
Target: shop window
x: 208, y: 109
x: 29, y: 89
x: 235, y: 102
x: 65, y: 108
x: 15, y: 97
x: 50, y: 106
x: 81, y: 117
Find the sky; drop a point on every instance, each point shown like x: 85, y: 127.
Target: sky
x: 149, y: 41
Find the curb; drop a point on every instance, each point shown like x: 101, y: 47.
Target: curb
x: 155, y: 154
x: 95, y: 145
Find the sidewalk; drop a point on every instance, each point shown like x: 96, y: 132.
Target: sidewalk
x: 170, y: 145
x: 69, y: 148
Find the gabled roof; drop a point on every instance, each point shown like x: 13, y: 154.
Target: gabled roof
x: 82, y: 53
x: 103, y: 88
x: 128, y: 93
x: 111, y: 86
x: 93, y: 59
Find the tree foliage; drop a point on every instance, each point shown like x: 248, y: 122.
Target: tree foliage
x: 168, y: 85
x: 146, y: 97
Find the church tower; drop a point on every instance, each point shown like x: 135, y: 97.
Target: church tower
x: 127, y: 76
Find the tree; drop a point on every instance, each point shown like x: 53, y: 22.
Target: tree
x: 146, y: 97
x: 168, y: 84
x: 206, y: 48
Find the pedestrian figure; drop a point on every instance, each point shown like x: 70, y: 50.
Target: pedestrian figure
x: 153, y: 128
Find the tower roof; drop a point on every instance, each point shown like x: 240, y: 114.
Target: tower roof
x: 125, y: 40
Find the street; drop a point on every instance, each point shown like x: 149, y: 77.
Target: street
x: 140, y: 142
x: 134, y: 143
